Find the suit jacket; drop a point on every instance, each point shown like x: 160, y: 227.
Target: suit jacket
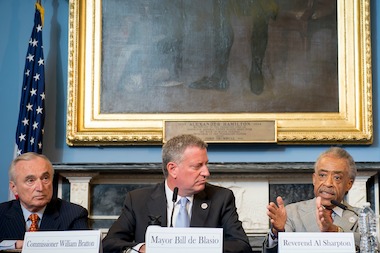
x: 59, y: 215
x: 129, y: 229
x: 302, y: 217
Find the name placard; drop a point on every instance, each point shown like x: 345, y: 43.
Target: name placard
x: 316, y: 242
x: 84, y: 241
x: 167, y: 240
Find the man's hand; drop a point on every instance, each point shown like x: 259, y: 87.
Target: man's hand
x: 324, y: 219
x: 277, y: 215
x: 19, y: 244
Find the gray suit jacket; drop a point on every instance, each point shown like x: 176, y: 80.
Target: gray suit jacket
x: 139, y: 204
x: 302, y: 218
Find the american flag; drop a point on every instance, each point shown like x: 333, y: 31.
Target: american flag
x: 30, y: 127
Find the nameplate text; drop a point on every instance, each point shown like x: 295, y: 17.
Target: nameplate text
x: 84, y: 241
x: 316, y: 242
x: 174, y: 240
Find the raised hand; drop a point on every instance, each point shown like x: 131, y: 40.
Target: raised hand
x: 324, y: 218
x: 277, y: 215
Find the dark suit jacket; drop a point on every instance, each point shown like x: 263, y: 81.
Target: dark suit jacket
x: 59, y: 215
x: 139, y: 204
x: 302, y: 217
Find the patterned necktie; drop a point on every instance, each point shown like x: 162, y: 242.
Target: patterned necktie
x: 34, y: 218
x: 330, y: 212
x: 183, y: 219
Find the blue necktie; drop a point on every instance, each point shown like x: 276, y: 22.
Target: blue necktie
x: 183, y: 219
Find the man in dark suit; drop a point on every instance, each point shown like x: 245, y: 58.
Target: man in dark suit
x: 334, y: 175
x: 185, y: 166
x: 31, y: 181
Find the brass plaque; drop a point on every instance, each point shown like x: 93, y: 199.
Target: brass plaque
x: 224, y: 131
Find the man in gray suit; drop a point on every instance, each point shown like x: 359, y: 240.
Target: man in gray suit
x: 334, y: 175
x: 31, y: 181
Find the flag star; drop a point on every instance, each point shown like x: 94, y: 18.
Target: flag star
x: 25, y: 121
x: 40, y: 62
x: 36, y: 77
x: 32, y: 113
x: 33, y: 92
x: 39, y: 110
x: 30, y: 57
x: 34, y: 42
x: 29, y: 107
x: 22, y: 137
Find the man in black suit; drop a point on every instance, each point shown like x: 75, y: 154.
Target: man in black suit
x: 185, y: 166
x: 31, y: 181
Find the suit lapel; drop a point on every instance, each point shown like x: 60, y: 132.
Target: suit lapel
x: 50, y: 219
x: 308, y: 216
x: 348, y: 219
x: 158, y: 205
x: 200, y: 210
x: 15, y: 220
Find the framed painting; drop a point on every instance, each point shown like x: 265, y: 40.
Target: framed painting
x: 134, y: 65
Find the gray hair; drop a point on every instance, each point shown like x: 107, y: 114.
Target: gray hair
x: 172, y: 151
x: 341, y: 154
x: 26, y: 157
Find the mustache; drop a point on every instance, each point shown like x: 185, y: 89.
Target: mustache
x: 330, y: 191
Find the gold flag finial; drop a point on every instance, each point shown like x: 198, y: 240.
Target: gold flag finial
x: 41, y: 10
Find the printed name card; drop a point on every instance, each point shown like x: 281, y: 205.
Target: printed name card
x: 166, y: 240
x: 316, y: 242
x: 86, y: 241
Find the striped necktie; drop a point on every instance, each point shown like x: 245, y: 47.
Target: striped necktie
x: 34, y: 226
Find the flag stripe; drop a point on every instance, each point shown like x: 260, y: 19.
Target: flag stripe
x: 31, y: 118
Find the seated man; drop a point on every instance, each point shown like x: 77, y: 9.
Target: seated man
x: 31, y: 181
x: 334, y: 175
x: 185, y: 162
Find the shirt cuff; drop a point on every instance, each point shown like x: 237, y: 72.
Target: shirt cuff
x: 272, y: 239
x: 8, y: 244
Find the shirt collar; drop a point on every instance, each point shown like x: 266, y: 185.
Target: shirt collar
x: 27, y: 213
x: 338, y: 211
x: 169, y: 196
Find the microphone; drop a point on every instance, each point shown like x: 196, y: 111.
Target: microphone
x: 174, y: 199
x: 344, y: 207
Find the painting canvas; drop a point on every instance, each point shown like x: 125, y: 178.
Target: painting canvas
x: 219, y: 56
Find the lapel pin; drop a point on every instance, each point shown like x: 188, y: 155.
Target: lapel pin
x: 352, y: 219
x: 204, y: 205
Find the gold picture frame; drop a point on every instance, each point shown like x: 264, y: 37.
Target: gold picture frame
x: 88, y: 125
